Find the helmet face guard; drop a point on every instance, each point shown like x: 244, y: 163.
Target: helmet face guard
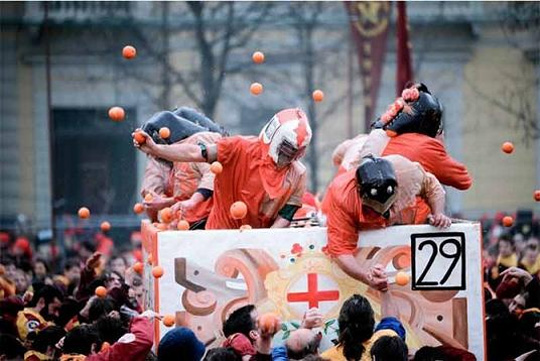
x: 287, y: 136
x: 417, y: 111
x: 377, y: 183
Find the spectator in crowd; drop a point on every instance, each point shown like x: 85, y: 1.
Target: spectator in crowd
x: 389, y: 348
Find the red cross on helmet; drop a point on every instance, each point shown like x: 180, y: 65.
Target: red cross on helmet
x: 287, y: 135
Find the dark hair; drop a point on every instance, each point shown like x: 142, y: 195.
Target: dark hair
x: 80, y: 340
x: 48, y: 293
x: 107, y: 275
x: 47, y: 337
x: 390, y: 348
x: 356, y: 322
x: 240, y: 321
x: 506, y: 238
x: 221, y: 354
x: 426, y: 353
x: 100, y: 307
x: 118, y: 256
x: 10, y: 346
x: 41, y: 260
x: 70, y: 263
x: 110, y: 329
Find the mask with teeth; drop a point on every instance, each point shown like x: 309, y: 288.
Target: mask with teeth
x: 377, y: 183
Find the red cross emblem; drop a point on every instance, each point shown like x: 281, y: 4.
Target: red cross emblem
x: 314, y: 295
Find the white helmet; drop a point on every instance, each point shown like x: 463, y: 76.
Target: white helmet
x: 287, y: 136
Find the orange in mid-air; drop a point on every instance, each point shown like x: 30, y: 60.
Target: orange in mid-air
x: 269, y: 323
x: 164, y: 132
x: 216, y: 167
x: 168, y: 320
x: 508, y: 221
x: 402, y: 278
x: 138, y: 267
x: 166, y: 215
x: 117, y: 114
x: 182, y: 225
x: 84, y: 213
x: 101, y: 291
x: 318, y: 95
x: 105, y: 226
x: 157, y: 271
x: 138, y: 208
x: 238, y: 210
x: 258, y: 57
x: 507, y: 147
x: 129, y: 52
x: 139, y: 138
x: 256, y: 88
x: 537, y: 195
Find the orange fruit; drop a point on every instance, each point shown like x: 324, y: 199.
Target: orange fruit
x: 258, y: 57
x: 508, y: 221
x: 166, y: 215
x: 138, y: 208
x: 105, y: 346
x: 318, y: 95
x: 101, y: 291
x: 84, y: 213
x: 269, y: 323
x: 105, y: 226
x: 169, y: 320
x: 148, y: 197
x: 129, y: 52
x: 245, y: 227
x: 157, y: 271
x: 238, y: 210
x: 182, y: 225
x: 117, y: 114
x: 138, y: 267
x: 402, y: 278
x: 507, y: 147
x: 256, y: 88
x: 139, y: 138
x: 537, y: 195
x: 216, y: 167
x: 164, y: 133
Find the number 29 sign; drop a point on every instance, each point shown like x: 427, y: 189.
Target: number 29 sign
x: 438, y: 261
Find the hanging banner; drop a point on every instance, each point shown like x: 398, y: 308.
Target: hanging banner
x: 404, y: 72
x: 369, y: 26
x: 208, y: 274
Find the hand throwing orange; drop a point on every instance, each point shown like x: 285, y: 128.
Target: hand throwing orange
x: 129, y: 52
x: 269, y: 323
x: 138, y: 208
x: 148, y: 197
x: 318, y: 95
x: 256, y: 88
x: 157, y: 271
x: 164, y: 132
x: 117, y: 114
x: 238, y: 210
x: 168, y: 320
x: 101, y: 291
x: 216, y: 167
x: 138, y: 267
x: 258, y: 57
x: 508, y: 221
x: 402, y: 278
x: 84, y: 213
x: 105, y: 226
x: 139, y: 138
x: 507, y: 147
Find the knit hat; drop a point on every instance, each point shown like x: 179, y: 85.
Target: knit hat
x: 182, y: 343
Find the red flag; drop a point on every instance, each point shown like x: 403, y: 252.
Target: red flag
x: 404, y: 72
x: 369, y: 26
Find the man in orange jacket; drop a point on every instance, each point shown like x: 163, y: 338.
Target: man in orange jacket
x: 381, y: 192
x: 411, y: 127
x: 265, y: 172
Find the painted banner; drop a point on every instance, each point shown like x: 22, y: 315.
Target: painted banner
x: 208, y: 274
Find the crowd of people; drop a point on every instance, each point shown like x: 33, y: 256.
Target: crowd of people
x: 196, y: 173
